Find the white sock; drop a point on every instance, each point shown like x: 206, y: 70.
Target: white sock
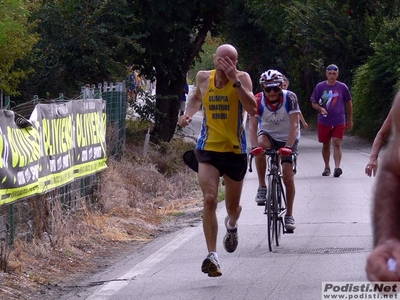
x: 215, y: 254
x: 228, y: 226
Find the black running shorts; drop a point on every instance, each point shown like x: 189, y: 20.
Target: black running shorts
x: 227, y: 163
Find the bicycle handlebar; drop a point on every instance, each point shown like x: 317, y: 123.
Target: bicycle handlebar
x: 269, y: 151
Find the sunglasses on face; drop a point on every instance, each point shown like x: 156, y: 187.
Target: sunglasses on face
x: 274, y: 88
x: 332, y: 69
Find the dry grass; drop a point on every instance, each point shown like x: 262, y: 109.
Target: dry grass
x: 141, y: 197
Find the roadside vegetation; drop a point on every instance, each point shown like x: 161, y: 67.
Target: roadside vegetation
x: 142, y: 197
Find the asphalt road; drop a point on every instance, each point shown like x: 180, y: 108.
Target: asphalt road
x: 330, y: 244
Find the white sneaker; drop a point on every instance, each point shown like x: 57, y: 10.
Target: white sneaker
x: 289, y: 223
x: 261, y: 196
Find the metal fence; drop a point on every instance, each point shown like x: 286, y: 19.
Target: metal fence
x: 38, y: 216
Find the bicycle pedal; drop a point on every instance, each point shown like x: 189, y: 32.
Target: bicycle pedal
x: 289, y: 231
x: 260, y: 204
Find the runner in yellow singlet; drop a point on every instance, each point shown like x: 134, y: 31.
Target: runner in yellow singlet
x: 224, y: 118
x: 225, y: 94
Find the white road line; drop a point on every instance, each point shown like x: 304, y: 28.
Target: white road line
x: 112, y: 287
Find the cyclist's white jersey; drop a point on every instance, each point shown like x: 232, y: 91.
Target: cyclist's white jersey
x: 275, y: 120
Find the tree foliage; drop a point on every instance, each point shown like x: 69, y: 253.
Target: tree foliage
x: 377, y: 81
x: 16, y: 40
x: 300, y: 38
x: 256, y: 35
x: 172, y: 34
x: 81, y: 42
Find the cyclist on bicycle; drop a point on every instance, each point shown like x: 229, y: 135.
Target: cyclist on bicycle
x: 276, y: 125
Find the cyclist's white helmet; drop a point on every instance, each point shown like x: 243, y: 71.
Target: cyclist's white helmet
x: 271, y: 78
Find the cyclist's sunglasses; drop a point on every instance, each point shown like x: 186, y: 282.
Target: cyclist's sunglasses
x: 332, y: 69
x: 274, y: 88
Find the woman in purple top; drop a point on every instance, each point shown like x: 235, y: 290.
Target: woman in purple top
x: 333, y: 100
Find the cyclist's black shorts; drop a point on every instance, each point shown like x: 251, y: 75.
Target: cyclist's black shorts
x: 278, y: 144
x: 231, y: 164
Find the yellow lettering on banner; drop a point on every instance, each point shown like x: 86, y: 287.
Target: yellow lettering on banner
x: 57, y: 135
x: 104, y: 121
x: 35, y: 140
x: 89, y: 132
x: 88, y: 129
x: 57, y: 132
x: 67, y: 138
x: 98, y: 133
x: 16, y: 158
x: 94, y: 127
x: 46, y: 128
x: 24, y: 146
x: 24, y: 143
x: 79, y: 129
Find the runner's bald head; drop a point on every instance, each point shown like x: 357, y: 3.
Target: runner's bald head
x: 227, y: 50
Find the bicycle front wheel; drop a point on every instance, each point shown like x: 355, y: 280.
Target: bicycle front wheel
x: 270, y: 213
x: 278, y: 216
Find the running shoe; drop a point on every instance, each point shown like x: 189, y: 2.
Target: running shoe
x: 326, y: 172
x: 289, y: 223
x: 261, y: 196
x: 211, y: 266
x: 337, y: 172
x: 230, y: 238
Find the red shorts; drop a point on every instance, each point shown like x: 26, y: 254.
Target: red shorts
x: 325, y: 133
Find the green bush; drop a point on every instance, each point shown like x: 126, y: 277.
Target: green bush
x: 376, y: 82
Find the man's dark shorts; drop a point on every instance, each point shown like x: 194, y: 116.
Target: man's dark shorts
x: 232, y: 165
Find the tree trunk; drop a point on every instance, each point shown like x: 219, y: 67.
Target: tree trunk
x: 168, y: 101
x: 171, y: 84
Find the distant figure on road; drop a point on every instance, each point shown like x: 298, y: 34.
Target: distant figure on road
x: 330, y: 98
x: 184, y: 97
x: 225, y: 94
x: 132, y: 85
x: 386, y: 209
x: 379, y: 141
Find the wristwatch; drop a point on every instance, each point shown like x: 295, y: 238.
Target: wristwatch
x: 237, y: 83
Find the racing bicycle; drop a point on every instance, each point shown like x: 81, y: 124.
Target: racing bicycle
x: 275, y: 206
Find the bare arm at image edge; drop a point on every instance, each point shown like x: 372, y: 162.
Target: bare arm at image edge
x: 387, y: 189
x: 386, y: 208
x: 379, y: 141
